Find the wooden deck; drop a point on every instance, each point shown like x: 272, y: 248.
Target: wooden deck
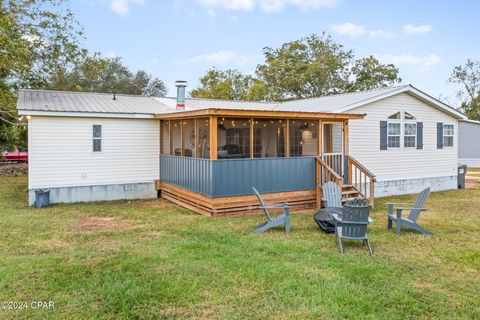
x: 236, y: 205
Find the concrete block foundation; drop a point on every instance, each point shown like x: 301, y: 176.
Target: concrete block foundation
x: 409, y: 186
x: 129, y: 191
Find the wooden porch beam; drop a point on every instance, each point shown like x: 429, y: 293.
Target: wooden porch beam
x: 213, y: 137
x: 252, y: 129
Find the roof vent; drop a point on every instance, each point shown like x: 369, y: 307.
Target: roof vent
x: 181, y: 85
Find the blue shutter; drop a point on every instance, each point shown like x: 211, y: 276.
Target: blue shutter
x: 383, y: 135
x: 419, y: 135
x: 439, y: 135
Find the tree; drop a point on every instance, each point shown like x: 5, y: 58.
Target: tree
x: 97, y: 74
x: 468, y: 77
x: 36, y: 38
x: 316, y: 66
x: 368, y: 73
x: 229, y: 85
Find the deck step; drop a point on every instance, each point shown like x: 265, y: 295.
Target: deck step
x: 350, y: 192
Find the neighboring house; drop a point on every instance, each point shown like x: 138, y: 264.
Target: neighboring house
x: 207, y: 154
x: 469, y: 143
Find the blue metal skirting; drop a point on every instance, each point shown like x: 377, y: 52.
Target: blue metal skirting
x: 235, y: 177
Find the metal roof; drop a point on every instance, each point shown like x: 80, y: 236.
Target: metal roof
x: 335, y: 102
x: 64, y: 101
x: 87, y: 102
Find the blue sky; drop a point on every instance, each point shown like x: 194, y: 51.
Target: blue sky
x: 181, y: 39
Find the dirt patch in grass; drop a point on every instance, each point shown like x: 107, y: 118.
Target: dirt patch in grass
x: 473, y: 182
x: 153, y: 204
x: 13, y: 169
x: 87, y: 224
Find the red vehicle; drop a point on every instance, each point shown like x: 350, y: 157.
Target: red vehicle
x: 15, y: 156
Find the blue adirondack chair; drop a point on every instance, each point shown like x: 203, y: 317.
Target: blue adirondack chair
x: 415, y: 210
x: 353, y: 223
x: 271, y: 222
x: 332, y: 195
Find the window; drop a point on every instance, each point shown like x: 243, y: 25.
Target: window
x: 395, y: 116
x: 97, y: 138
x: 408, y: 116
x: 393, y: 135
x: 410, y: 135
x: 448, y: 135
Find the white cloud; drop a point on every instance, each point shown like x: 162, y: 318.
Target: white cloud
x: 111, y: 55
x: 352, y: 30
x: 416, y: 30
x: 122, y: 7
x: 422, y: 63
x: 218, y: 58
x: 266, y: 5
x: 380, y: 34
x: 349, y: 29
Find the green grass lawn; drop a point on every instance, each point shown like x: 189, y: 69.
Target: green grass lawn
x: 154, y: 260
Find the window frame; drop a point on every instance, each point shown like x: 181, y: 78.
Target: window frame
x: 399, y: 135
x: 405, y: 123
x: 99, y: 138
x: 452, y: 135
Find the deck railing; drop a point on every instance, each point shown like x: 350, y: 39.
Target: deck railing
x: 362, y: 179
x: 325, y: 173
x: 334, y: 161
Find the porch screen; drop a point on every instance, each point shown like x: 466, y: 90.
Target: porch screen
x: 233, y: 138
x: 165, y: 127
x: 303, y: 138
x: 176, y: 137
x: 269, y: 138
x: 188, y: 138
x: 203, y: 138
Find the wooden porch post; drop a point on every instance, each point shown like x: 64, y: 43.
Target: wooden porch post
x: 182, y: 143
x: 161, y: 135
x: 320, y: 137
x: 213, y: 138
x: 252, y: 126
x: 170, y: 140
x: 195, y: 138
x: 346, y: 149
x: 318, y: 168
x: 287, y: 139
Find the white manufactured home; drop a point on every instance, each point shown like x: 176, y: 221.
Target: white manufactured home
x: 469, y: 143
x: 94, y: 146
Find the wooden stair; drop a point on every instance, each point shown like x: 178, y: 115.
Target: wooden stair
x: 349, y: 191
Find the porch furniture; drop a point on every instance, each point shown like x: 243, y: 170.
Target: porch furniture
x: 271, y: 222
x: 352, y: 225
x: 415, y: 210
x: 324, y: 219
x: 332, y: 195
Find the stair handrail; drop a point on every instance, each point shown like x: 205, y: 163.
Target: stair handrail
x: 355, y: 162
x: 352, y: 162
x: 331, y: 175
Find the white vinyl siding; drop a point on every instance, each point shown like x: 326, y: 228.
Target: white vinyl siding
x: 402, y: 163
x: 61, y: 151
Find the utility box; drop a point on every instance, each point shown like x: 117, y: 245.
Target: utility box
x: 462, y: 172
